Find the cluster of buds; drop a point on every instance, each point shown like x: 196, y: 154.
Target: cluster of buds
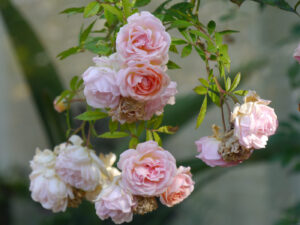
x: 63, y: 177
x: 252, y: 124
x: 132, y: 83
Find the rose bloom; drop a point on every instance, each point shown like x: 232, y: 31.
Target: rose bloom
x: 78, y: 165
x: 116, y: 203
x: 156, y: 106
x: 143, y: 37
x: 297, y: 53
x: 181, y: 187
x: 142, y: 81
x: 254, y: 121
x: 208, y: 148
x: 45, y: 185
x: 60, y: 106
x: 148, y: 170
x: 100, y: 88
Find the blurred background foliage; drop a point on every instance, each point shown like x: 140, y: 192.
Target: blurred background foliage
x: 44, y: 82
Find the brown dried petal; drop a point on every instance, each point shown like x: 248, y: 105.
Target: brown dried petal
x: 145, y: 205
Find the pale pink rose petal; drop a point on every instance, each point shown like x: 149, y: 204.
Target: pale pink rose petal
x: 116, y: 203
x: 148, y: 170
x: 208, y: 148
x: 181, y: 187
x: 142, y: 81
x: 254, y: 122
x: 144, y: 36
x: 297, y: 53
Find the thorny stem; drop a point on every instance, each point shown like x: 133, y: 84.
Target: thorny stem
x: 197, y: 7
x: 229, y: 110
x: 89, y: 136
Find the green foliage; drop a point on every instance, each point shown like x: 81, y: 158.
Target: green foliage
x: 115, y: 134
x: 92, y: 115
x: 91, y: 9
x: 202, y: 112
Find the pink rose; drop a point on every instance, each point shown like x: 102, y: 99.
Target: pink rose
x: 45, y: 185
x: 181, y: 187
x: 208, y: 148
x: 148, y: 170
x: 254, y: 122
x: 101, y: 90
x: 297, y: 53
x: 142, y: 81
x: 116, y: 203
x: 143, y: 37
x: 79, y: 166
x: 156, y: 106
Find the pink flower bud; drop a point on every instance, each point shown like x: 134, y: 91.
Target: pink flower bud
x: 60, y: 106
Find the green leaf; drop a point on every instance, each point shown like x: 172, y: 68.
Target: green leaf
x: 126, y: 8
x: 167, y: 129
x: 116, y: 134
x: 178, y: 41
x: 97, y: 47
x: 157, y: 138
x: 172, y: 66
x: 236, y: 82
x: 133, y: 142
x: 211, y: 26
x: 200, y: 52
x: 73, y: 82
x: 240, y: 92
x: 85, y: 33
x: 204, y: 82
x: 228, y: 32
x: 211, y: 47
x: 91, y: 9
x: 186, y: 35
x: 181, y: 24
x: 219, y: 39
x: 141, y: 3
x: 140, y: 128
x: 200, y: 34
x: 186, y: 51
x: 92, y: 115
x: 173, y: 49
x: 202, y: 112
x: 227, y: 83
x: 114, y: 10
x: 113, y: 126
x: 212, y: 94
x: 71, y: 11
x: 68, y: 52
x: 149, y: 136
x: 200, y: 90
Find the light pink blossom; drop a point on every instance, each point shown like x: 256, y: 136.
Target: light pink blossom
x: 79, y: 166
x: 181, y: 187
x: 143, y: 37
x: 45, y: 185
x: 116, y: 203
x: 100, y: 88
x: 142, y: 81
x: 297, y: 53
x: 254, y: 121
x: 208, y: 148
x: 148, y: 170
x: 156, y: 106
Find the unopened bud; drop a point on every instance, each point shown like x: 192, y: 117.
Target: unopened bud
x: 60, y: 106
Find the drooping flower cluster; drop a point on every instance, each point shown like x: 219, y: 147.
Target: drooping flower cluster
x: 133, y: 82
x: 148, y: 171
x: 60, y: 177
x: 253, y: 122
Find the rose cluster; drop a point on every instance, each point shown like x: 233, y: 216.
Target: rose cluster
x: 63, y: 177
x: 253, y: 122
x: 132, y: 83
x: 147, y: 172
